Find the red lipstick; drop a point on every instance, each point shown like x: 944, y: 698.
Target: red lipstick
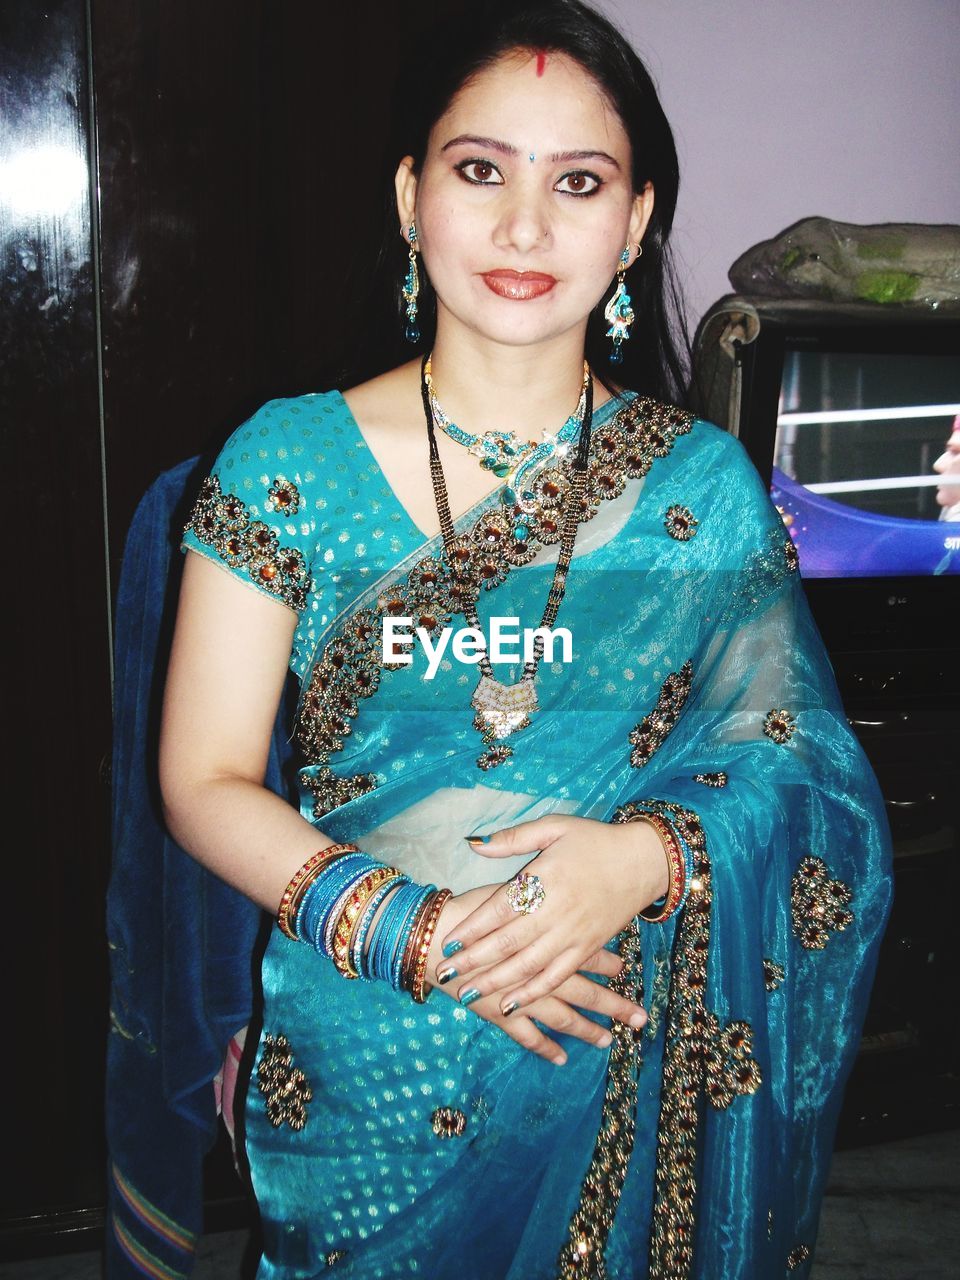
x: 518, y: 285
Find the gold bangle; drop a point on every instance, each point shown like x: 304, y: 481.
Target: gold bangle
x: 352, y: 911
x: 294, y: 891
x: 417, y: 988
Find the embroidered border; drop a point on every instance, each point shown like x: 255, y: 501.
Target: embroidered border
x: 222, y: 521
x: 349, y: 668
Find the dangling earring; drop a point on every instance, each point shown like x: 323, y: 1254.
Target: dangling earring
x: 411, y: 287
x: 618, y: 312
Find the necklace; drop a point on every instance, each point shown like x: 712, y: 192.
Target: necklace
x: 503, y: 452
x: 502, y: 710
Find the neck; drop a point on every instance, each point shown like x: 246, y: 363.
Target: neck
x: 488, y: 386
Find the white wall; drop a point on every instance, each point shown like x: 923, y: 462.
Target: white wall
x: 787, y: 108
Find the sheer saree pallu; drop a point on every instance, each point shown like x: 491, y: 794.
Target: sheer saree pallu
x: 387, y: 1138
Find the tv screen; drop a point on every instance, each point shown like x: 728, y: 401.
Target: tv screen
x: 866, y: 444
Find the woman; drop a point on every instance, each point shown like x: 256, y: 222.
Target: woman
x: 685, y: 758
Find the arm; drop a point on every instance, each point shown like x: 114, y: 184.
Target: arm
x: 226, y: 673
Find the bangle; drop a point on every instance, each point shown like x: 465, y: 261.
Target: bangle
x: 422, y: 943
x: 298, y: 883
x: 661, y: 911
x: 361, y: 931
x: 346, y: 922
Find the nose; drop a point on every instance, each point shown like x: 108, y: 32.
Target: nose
x: 524, y: 221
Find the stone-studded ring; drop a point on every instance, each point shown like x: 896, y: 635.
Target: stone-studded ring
x: 525, y: 893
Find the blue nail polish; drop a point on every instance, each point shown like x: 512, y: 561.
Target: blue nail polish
x: 478, y: 839
x: 509, y: 1008
x: 469, y: 996
x: 452, y: 948
x: 444, y: 975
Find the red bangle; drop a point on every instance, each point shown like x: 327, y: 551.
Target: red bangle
x: 299, y: 881
x: 676, y: 869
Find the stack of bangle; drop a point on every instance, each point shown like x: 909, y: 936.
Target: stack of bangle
x: 332, y: 902
x: 679, y: 861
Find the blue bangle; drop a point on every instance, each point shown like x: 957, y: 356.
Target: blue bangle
x: 358, y: 955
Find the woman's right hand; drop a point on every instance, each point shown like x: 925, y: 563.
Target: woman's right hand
x: 559, y: 1010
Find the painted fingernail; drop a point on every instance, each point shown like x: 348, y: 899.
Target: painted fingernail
x: 446, y: 973
x: 637, y: 1020
x: 468, y: 996
x: 452, y: 948
x: 510, y: 1007
x: 478, y: 839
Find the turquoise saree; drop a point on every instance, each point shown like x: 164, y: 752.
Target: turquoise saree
x: 387, y: 1138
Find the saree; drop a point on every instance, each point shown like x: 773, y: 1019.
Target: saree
x: 387, y: 1138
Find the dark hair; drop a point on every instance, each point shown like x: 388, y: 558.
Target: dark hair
x: 445, y: 57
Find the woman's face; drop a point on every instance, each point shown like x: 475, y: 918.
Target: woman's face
x: 524, y: 201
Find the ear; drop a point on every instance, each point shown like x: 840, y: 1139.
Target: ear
x: 640, y: 213
x: 405, y: 184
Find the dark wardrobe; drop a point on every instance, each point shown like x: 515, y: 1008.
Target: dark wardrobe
x: 183, y: 191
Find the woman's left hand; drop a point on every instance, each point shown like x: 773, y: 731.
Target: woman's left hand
x: 595, y: 877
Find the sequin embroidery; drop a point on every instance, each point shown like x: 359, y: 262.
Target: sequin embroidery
x: 818, y: 904
x: 773, y: 974
x: 650, y: 734
x: 448, y: 1122
x: 779, y: 725
x: 797, y: 1257
x: 222, y: 521
x: 711, y: 779
x: 680, y: 523
x: 284, y: 1086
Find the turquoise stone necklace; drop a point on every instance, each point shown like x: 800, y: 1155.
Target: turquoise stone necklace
x: 515, y: 461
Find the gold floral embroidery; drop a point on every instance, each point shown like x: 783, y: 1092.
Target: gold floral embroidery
x: 712, y: 779
x: 700, y: 1059
x: 729, y: 1068
x: 680, y: 523
x: 284, y: 497
x: 222, y: 521
x: 797, y: 1257
x: 818, y: 904
x: 335, y: 1256
x: 650, y: 733
x: 773, y: 974
x: 448, y: 1122
x: 285, y: 1087
x: 587, y: 1232
x: 501, y: 539
x: 779, y: 725
x: 791, y: 555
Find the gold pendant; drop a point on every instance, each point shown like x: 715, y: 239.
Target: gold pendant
x: 503, y: 709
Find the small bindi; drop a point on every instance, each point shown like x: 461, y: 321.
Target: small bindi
x: 532, y: 156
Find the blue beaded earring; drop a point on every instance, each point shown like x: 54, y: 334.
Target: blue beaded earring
x: 618, y: 312
x: 411, y: 287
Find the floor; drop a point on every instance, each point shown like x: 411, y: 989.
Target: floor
x: 892, y: 1212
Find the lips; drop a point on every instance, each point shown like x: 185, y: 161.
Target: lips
x: 518, y: 285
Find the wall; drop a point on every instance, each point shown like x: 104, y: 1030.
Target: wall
x: 787, y: 108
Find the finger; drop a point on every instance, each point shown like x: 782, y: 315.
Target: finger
x: 526, y: 837
x: 524, y: 1031
x: 587, y: 994
x: 560, y: 1016
x: 604, y: 962
x: 523, y: 966
x: 545, y: 983
x: 483, y: 920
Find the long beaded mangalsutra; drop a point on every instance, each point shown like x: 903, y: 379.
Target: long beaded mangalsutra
x: 502, y: 710
x: 514, y: 460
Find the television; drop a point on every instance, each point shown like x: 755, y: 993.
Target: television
x: 844, y: 409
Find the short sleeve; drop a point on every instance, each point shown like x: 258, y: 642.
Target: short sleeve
x: 254, y: 515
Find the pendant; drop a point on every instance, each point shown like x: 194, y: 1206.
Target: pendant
x: 503, y: 709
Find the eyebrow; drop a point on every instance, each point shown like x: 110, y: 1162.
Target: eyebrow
x: 494, y: 144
